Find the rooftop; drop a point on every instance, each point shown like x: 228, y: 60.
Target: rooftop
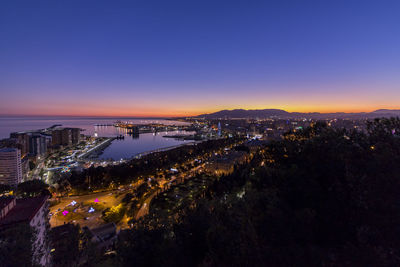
x: 24, y: 210
x: 5, y: 201
x: 105, y: 230
x: 61, y: 231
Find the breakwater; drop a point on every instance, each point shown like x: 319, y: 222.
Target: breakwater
x: 97, y: 149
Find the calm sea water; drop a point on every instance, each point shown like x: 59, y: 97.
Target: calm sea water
x: 126, y: 148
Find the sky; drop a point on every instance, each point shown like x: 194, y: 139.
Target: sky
x: 181, y: 58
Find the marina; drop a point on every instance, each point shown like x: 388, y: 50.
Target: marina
x: 124, y: 139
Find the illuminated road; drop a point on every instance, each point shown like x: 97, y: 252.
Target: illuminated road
x: 144, y: 210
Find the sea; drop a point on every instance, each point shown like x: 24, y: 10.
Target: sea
x: 125, y: 148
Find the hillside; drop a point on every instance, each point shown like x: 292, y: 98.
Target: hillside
x: 279, y: 113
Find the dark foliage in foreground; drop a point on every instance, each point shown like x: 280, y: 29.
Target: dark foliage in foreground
x: 15, y: 246
x: 321, y: 197
x: 32, y: 188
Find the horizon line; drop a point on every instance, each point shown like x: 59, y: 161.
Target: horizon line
x: 182, y: 116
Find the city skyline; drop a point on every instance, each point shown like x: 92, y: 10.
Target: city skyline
x: 386, y: 111
x: 159, y: 59
x: 199, y: 133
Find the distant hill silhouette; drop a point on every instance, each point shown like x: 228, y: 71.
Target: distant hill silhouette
x: 279, y: 113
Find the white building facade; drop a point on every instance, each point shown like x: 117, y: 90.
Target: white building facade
x: 40, y: 226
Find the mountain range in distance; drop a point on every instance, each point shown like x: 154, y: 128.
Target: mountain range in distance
x: 282, y: 114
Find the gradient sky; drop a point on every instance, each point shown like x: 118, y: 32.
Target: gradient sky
x: 166, y: 58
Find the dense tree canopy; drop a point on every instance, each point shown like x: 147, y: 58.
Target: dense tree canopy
x: 4, y: 188
x: 16, y: 246
x: 114, y: 214
x: 32, y: 188
x: 320, y: 197
x: 66, y: 245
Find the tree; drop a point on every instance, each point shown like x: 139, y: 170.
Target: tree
x: 65, y: 240
x: 114, y: 214
x: 323, y: 197
x: 127, y: 198
x: 32, y: 188
x: 16, y: 246
x: 154, y: 183
x: 242, y: 148
x: 31, y: 165
x: 133, y: 208
x: 4, y: 188
x: 141, y: 190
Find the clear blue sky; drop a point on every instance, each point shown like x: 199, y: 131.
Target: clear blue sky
x: 188, y: 57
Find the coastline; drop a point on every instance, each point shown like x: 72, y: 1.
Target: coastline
x: 145, y: 153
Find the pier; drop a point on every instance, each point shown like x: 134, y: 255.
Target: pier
x: 103, y: 125
x: 100, y: 146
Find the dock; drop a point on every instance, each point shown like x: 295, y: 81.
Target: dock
x: 100, y: 146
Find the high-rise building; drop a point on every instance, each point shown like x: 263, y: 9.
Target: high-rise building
x: 56, y: 137
x: 75, y: 135
x: 31, y: 143
x: 65, y: 136
x: 22, y: 140
x: 37, y: 145
x: 10, y: 166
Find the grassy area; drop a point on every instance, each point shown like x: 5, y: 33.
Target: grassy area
x: 96, y: 205
x: 80, y: 211
x: 71, y: 215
